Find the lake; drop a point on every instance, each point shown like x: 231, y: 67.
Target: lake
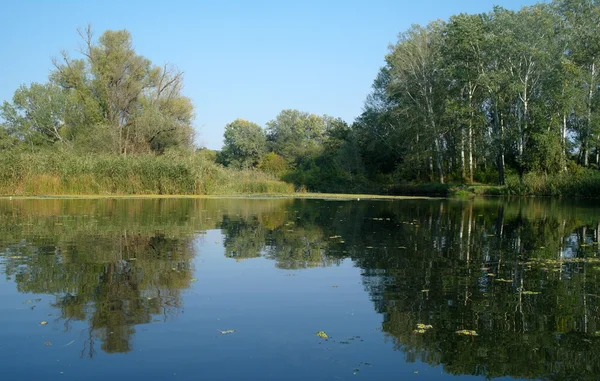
x: 292, y: 289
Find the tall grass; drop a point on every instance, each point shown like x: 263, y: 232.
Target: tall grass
x: 584, y: 183
x: 62, y: 173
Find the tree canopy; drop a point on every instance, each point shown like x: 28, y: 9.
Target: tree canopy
x: 111, y: 100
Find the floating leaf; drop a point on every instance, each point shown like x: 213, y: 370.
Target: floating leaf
x: 467, y: 332
x: 419, y: 331
x: 193, y: 280
x: 48, y: 343
x: 322, y: 335
x: 424, y: 326
x: 43, y: 322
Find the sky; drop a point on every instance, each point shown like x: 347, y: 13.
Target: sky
x: 241, y: 59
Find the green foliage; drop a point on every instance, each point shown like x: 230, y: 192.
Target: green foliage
x: 484, y: 95
x: 111, y: 100
x: 244, y: 143
x: 175, y: 172
x: 583, y: 183
x: 273, y: 164
x: 36, y: 114
x: 294, y: 134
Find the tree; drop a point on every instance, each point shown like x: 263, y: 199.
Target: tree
x: 36, y: 115
x: 582, y: 20
x: 296, y: 135
x: 418, y: 85
x: 116, y: 90
x: 462, y: 51
x: 244, y: 144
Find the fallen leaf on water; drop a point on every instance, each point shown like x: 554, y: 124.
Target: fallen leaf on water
x: 48, y: 343
x: 322, y: 335
x: 424, y: 326
x: 193, y: 280
x: 467, y: 332
x: 43, y: 322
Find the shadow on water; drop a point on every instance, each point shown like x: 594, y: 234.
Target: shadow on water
x: 520, y: 276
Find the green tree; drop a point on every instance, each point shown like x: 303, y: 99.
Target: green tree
x: 418, y: 86
x: 296, y: 135
x: 36, y: 115
x: 244, y: 145
x: 136, y: 105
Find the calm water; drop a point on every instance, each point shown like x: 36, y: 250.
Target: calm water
x: 143, y: 289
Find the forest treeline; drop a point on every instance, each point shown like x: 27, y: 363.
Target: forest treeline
x: 508, y: 98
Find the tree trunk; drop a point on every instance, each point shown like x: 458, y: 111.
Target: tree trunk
x: 586, y: 152
x: 462, y: 155
x: 471, y: 116
x: 564, y: 143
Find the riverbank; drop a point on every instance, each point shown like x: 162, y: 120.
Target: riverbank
x: 192, y: 174
x: 584, y: 183
x: 65, y: 173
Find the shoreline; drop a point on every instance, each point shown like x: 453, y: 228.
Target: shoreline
x: 316, y: 196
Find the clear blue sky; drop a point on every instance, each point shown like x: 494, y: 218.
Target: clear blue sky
x: 242, y: 59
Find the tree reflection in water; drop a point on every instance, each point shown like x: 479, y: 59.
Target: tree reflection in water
x: 523, y: 274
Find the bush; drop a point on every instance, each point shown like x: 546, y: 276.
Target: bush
x: 174, y: 173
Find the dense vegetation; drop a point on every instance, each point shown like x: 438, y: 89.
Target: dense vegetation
x: 505, y: 97
x: 509, y: 98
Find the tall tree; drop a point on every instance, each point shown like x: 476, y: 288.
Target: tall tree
x: 140, y: 104
x: 418, y: 85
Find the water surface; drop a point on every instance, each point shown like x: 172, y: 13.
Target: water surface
x: 146, y: 288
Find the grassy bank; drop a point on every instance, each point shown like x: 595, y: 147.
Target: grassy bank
x: 65, y: 173
x: 584, y: 183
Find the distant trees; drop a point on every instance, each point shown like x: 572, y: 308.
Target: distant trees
x: 244, y: 144
x: 110, y: 100
x: 316, y: 151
